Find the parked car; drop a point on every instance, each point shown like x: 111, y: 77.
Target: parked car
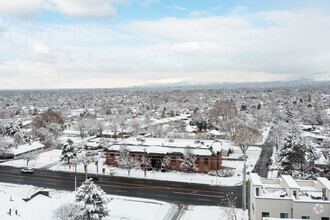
x: 242, y: 157
x: 93, y: 178
x: 91, y: 153
x: 270, y: 161
x: 27, y: 170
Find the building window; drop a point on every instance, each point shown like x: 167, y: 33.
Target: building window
x: 140, y: 156
x: 284, y: 215
x: 133, y: 155
x: 264, y: 214
x: 295, y: 194
x: 112, y: 155
x: 325, y: 218
x: 173, y: 159
x: 206, y: 160
x: 257, y: 191
x: 305, y: 217
x: 197, y: 160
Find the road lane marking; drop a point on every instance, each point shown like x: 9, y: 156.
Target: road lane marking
x: 204, y: 199
x: 160, y: 195
x: 130, y: 185
x: 197, y: 194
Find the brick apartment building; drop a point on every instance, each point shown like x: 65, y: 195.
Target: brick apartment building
x: 207, y: 152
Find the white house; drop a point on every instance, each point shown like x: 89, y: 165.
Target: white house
x: 288, y: 198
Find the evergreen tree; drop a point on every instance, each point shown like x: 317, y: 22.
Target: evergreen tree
x: 92, y: 201
x: 69, y: 151
x: 289, y: 114
x: 297, y: 157
x: 188, y: 163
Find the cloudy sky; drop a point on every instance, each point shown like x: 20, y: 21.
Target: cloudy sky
x: 119, y: 43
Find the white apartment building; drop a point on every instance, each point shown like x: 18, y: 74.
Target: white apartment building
x: 288, y: 198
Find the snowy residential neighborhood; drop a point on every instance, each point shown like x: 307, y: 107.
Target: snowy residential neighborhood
x: 164, y: 110
x: 166, y: 160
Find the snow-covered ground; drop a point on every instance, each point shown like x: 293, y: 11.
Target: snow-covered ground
x: 12, y: 195
x: 209, y: 212
x: 44, y: 159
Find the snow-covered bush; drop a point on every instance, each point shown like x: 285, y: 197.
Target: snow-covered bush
x: 221, y: 173
x: 67, y: 211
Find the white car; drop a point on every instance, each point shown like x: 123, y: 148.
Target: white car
x: 27, y: 170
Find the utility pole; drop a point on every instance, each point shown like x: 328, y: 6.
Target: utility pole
x: 244, y: 168
x: 75, y: 176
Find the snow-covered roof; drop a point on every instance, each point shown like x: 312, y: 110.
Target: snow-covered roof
x: 169, y: 146
x: 290, y: 182
x: 214, y: 132
x: 324, y: 181
x: 176, y: 143
x: 255, y: 179
x: 71, y: 132
x: 26, y: 148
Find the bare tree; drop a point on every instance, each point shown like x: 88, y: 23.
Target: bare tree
x: 229, y: 207
x: 188, y: 163
x: 100, y: 127
x: 114, y: 125
x: 30, y: 156
x: 245, y: 136
x: 135, y: 125
x: 123, y: 126
x: 125, y: 160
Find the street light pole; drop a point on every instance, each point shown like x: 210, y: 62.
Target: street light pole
x: 75, y: 176
x: 244, y: 168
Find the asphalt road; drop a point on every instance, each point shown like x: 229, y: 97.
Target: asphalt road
x: 175, y: 192
x: 261, y: 166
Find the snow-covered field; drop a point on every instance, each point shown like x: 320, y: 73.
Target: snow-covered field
x: 44, y: 159
x: 41, y: 207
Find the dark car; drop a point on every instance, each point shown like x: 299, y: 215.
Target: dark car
x: 269, y: 161
x: 93, y: 178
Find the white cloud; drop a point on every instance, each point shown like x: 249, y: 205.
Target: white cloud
x: 2, y: 26
x: 222, y: 48
x: 147, y: 3
x: 19, y: 8
x: 177, y: 7
x: 89, y: 9
x: 194, y: 14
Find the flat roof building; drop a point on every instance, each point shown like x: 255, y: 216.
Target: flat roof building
x: 288, y: 198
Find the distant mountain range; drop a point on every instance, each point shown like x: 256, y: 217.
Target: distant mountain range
x: 281, y: 83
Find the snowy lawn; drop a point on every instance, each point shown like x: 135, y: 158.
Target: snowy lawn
x: 209, y: 212
x: 41, y: 207
x: 237, y: 166
x: 252, y: 153
x: 44, y: 159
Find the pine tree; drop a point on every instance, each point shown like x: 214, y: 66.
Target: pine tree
x: 297, y: 157
x: 69, y: 151
x: 289, y: 114
x: 188, y: 163
x: 92, y: 201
